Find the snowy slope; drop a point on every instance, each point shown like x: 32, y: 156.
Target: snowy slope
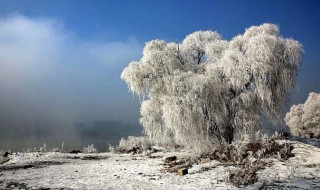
x: 114, y: 171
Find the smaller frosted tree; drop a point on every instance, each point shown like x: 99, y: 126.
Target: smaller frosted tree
x: 304, y: 119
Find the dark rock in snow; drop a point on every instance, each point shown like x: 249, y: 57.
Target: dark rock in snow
x: 170, y: 159
x: 5, y: 154
x: 75, y: 151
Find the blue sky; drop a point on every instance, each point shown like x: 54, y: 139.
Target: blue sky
x: 63, y: 58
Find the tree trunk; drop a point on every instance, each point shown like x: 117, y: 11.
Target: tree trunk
x: 228, y: 135
x: 212, y: 128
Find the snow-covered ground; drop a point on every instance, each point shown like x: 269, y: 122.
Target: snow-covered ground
x: 124, y: 171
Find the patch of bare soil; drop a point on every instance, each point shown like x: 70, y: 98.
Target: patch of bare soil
x: 37, y: 164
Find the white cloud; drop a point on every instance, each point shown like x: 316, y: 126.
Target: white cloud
x: 42, y: 64
x: 26, y: 46
x: 32, y: 44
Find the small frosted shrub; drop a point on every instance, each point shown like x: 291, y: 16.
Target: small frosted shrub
x: 43, y: 148
x: 133, y: 145
x: 248, y: 155
x: 246, y: 174
x: 89, y: 149
x: 259, y: 148
x: 55, y: 149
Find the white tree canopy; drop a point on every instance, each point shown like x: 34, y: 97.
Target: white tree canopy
x: 304, y: 119
x: 200, y: 91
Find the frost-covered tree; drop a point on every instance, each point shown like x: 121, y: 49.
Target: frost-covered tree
x: 205, y: 89
x: 304, y: 119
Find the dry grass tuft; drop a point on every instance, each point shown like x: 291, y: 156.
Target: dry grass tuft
x: 134, y: 145
x: 248, y: 157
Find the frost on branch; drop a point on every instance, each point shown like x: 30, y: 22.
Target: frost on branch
x: 304, y: 119
x: 207, y: 90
